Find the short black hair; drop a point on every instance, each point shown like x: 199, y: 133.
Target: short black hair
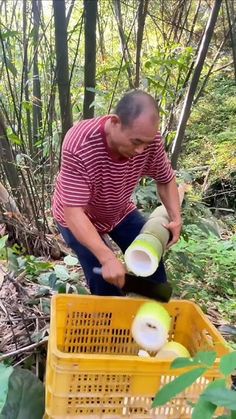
x: 132, y: 104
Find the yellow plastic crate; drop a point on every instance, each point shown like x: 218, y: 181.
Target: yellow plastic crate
x: 93, y: 370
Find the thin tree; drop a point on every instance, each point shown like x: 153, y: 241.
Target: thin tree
x: 37, y: 101
x: 90, y: 22
x: 142, y: 13
x: 25, y: 78
x: 186, y: 110
x: 231, y: 14
x: 7, y: 158
x: 124, y: 41
x: 62, y: 65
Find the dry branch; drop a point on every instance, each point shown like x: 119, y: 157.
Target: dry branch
x: 23, y: 350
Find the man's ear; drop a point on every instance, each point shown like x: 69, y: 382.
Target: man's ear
x: 115, y: 120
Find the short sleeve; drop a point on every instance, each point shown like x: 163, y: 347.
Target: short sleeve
x: 160, y: 167
x: 75, y: 183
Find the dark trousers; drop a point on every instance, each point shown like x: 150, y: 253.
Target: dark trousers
x: 123, y: 235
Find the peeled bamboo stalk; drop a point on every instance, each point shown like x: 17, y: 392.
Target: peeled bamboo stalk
x: 144, y: 254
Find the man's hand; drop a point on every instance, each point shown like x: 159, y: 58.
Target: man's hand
x: 113, y: 271
x: 175, y: 229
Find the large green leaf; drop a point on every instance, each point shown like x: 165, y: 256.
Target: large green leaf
x: 204, y: 408
x: 221, y: 397
x: 201, y: 358
x: 5, y: 373
x: 176, y: 386
x: 183, y: 362
x: 207, y: 358
x: 71, y: 260
x: 61, y: 272
x: 25, y: 398
x: 228, y: 363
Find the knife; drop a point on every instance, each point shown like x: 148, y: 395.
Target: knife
x: 144, y: 286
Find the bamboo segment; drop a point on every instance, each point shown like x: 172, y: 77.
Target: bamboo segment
x: 144, y: 254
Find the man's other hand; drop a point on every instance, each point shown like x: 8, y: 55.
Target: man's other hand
x: 175, y: 229
x: 113, y: 271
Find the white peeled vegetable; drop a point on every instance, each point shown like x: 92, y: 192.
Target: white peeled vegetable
x: 151, y: 326
x: 143, y: 354
x: 172, y: 350
x: 143, y: 256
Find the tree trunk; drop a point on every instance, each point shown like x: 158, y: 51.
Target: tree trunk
x: 142, y: 13
x: 101, y: 38
x: 25, y: 79
x: 194, y: 82
x: 70, y: 12
x: 7, y: 158
x: 62, y: 65
x: 90, y: 20
x: 194, y: 23
x: 37, y: 101
x: 230, y: 7
x: 126, y: 53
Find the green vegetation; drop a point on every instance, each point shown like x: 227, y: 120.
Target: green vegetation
x: 211, y: 134
x: 217, y: 393
x: 149, y: 44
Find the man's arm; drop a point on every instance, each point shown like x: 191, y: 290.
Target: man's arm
x: 170, y: 197
x: 79, y: 224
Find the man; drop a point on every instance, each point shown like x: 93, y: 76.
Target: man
x: 103, y: 160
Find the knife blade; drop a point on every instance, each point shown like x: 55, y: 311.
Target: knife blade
x: 144, y: 286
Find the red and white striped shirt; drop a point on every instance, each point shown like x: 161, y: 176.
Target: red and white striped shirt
x: 93, y: 178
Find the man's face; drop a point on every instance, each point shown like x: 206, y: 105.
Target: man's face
x: 133, y: 140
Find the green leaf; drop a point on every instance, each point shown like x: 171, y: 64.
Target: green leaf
x: 52, y: 281
x: 61, y: 288
x: 71, y: 260
x: 14, y: 138
x: 3, y: 241
x: 61, y: 272
x: 13, y: 264
x: 5, y: 373
x: 82, y: 290
x: 42, y: 292
x: 25, y: 398
x: 176, y: 386
x: 8, y: 34
x: 233, y: 414
x: 221, y: 397
x: 201, y: 358
x: 46, y: 306
x: 228, y: 363
x: 11, y: 66
x: 43, y: 278
x: 207, y: 358
x: 183, y: 362
x: 204, y: 408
